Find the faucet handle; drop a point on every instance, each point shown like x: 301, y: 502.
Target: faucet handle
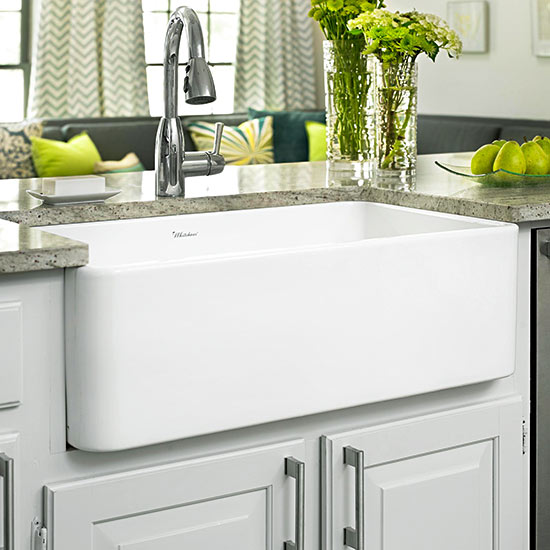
x: 218, y: 138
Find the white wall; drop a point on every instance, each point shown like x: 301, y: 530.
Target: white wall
x: 508, y: 81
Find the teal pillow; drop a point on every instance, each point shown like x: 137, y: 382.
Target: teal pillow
x: 290, y: 141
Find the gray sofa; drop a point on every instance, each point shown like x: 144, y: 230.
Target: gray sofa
x: 114, y: 137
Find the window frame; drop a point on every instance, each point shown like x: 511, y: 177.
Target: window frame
x: 24, y: 58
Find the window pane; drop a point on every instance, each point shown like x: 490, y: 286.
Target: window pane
x: 12, y: 104
x: 155, y: 28
x: 197, y: 5
x: 224, y: 79
x: 223, y: 38
x: 10, y: 38
x: 225, y: 5
x: 10, y: 5
x: 154, y: 87
x: 154, y: 5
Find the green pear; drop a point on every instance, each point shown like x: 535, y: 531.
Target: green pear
x: 544, y: 144
x: 510, y: 158
x: 483, y: 159
x: 499, y: 142
x: 536, y: 160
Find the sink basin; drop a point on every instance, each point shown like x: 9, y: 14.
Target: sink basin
x: 193, y: 324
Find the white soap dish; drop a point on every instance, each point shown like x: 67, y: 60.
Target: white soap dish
x: 74, y: 199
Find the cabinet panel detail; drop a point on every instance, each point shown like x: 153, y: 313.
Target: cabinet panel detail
x: 439, y: 500
x: 197, y: 525
x: 11, y: 346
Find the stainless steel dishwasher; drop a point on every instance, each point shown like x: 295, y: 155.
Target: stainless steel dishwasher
x: 540, y: 395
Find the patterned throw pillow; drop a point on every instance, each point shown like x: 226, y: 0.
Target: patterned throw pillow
x: 15, y: 149
x: 249, y: 143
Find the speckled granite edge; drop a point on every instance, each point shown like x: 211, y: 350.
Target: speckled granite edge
x: 176, y: 206
x: 40, y: 260
x: 25, y: 249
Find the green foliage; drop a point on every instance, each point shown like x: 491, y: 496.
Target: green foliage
x: 333, y: 16
x: 394, y: 37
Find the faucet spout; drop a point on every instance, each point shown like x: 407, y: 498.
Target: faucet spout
x: 199, y: 89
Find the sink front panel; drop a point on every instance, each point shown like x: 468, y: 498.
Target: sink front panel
x: 164, y: 351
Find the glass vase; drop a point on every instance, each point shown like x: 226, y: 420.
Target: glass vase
x: 349, y: 85
x: 395, y: 120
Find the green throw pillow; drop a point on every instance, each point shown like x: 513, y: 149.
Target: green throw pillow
x: 249, y: 143
x: 289, y: 132
x: 317, y: 140
x: 75, y: 157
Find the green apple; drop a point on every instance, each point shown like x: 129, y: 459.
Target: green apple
x: 483, y: 159
x: 510, y: 158
x: 536, y: 160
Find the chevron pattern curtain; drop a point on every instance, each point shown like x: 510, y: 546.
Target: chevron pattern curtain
x: 275, y: 66
x: 89, y: 60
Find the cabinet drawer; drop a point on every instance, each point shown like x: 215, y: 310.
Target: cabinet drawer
x: 11, y: 350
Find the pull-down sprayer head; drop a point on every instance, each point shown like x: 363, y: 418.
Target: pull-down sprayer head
x: 198, y: 83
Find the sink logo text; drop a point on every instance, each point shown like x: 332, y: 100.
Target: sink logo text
x: 183, y: 234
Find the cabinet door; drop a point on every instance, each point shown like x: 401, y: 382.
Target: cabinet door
x: 240, y: 500
x: 450, y: 480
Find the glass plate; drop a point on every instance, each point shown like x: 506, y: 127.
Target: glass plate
x: 500, y: 178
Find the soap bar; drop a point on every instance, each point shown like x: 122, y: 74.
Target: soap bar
x: 73, y: 185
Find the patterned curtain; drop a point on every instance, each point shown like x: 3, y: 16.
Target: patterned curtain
x: 89, y: 60
x: 275, y: 59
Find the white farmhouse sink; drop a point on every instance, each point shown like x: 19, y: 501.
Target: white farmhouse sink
x: 194, y: 324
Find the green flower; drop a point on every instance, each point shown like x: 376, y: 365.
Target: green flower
x: 333, y: 16
x: 394, y: 36
x: 335, y: 5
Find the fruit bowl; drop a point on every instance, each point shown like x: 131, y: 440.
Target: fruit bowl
x: 500, y: 178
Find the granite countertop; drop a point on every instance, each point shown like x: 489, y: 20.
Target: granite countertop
x: 25, y: 249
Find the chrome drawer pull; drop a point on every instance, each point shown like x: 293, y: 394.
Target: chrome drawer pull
x: 297, y: 470
x: 6, y: 472
x: 355, y: 537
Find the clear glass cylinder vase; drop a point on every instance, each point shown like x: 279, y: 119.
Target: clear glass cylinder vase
x: 396, y: 121
x: 349, y: 85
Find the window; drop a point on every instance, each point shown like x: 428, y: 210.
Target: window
x: 14, y: 59
x: 219, y: 20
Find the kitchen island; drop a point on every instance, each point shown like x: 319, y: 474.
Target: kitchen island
x: 460, y: 455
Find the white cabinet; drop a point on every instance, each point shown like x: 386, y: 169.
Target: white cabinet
x: 241, y: 500
x: 11, y: 346
x: 449, y: 480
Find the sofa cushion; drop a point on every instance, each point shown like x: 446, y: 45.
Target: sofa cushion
x: 518, y: 133
x: 54, y: 158
x: 15, y: 149
x: 114, y: 140
x: 289, y: 132
x: 441, y: 135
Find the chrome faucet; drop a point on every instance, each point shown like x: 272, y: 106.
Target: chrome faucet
x: 172, y: 163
